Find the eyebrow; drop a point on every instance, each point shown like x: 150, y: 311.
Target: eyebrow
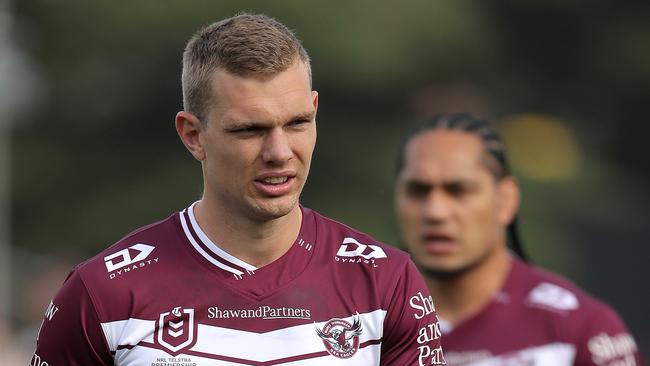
x: 417, y: 182
x: 232, y: 124
x: 429, y: 184
x: 306, y: 116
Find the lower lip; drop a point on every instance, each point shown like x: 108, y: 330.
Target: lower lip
x: 275, y: 190
x: 439, y: 247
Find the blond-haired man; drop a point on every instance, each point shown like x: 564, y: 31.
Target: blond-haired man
x: 245, y: 275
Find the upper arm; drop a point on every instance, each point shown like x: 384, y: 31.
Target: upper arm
x: 71, y: 333
x: 605, y: 341
x: 411, y: 332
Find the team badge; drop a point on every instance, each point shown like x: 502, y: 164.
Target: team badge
x: 176, y: 329
x: 341, y: 339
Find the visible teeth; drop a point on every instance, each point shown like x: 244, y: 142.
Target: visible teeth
x: 275, y: 180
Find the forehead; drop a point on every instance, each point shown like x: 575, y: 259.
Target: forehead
x: 444, y: 155
x: 246, y: 97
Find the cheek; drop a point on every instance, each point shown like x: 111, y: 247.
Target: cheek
x: 234, y: 157
x: 304, y: 144
x: 409, y: 234
x: 408, y: 216
x: 481, y: 223
x: 227, y: 171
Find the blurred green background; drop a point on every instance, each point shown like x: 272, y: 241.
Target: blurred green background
x: 88, y: 151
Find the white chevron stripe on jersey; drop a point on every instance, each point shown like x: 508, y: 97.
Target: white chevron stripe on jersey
x: 283, y: 343
x: 202, y: 252
x: 213, y: 247
x: 556, y: 354
x: 136, y: 330
x: 366, y: 356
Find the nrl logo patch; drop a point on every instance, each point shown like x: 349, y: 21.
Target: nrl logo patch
x: 341, y: 339
x: 175, y: 330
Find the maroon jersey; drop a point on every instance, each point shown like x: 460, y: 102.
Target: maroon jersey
x: 166, y: 295
x: 539, y: 318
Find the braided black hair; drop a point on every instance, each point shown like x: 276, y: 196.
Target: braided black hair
x: 493, y: 143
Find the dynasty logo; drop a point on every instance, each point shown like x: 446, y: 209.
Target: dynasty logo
x: 341, y: 339
x: 351, y: 251
x: 129, y: 259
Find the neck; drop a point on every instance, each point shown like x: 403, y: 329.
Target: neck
x: 458, y: 298
x: 255, y: 242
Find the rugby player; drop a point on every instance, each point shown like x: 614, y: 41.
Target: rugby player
x: 455, y: 201
x: 245, y: 275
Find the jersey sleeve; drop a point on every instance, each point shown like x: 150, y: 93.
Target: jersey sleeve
x: 606, y: 341
x: 71, y: 333
x: 411, y: 331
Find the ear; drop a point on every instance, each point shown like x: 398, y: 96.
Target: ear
x: 314, y: 97
x: 189, y: 128
x: 508, y: 200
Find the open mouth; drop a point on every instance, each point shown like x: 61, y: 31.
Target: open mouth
x: 437, y: 238
x: 275, y: 184
x: 438, y: 243
x: 275, y: 180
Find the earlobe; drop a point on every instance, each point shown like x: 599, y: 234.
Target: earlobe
x: 189, y: 129
x: 509, y: 197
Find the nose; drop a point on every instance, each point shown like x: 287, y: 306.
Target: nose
x: 437, y: 208
x: 277, y: 147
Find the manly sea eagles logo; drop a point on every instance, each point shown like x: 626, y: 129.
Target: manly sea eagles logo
x: 341, y: 339
x: 176, y: 330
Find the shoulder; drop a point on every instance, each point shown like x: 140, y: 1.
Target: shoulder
x: 361, y: 261
x: 347, y: 245
x: 100, y: 292
x: 572, y: 315
x: 135, y: 247
x: 555, y: 293
x: 579, y: 316
x: 133, y: 264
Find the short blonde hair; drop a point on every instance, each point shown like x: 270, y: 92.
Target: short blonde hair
x: 243, y: 45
